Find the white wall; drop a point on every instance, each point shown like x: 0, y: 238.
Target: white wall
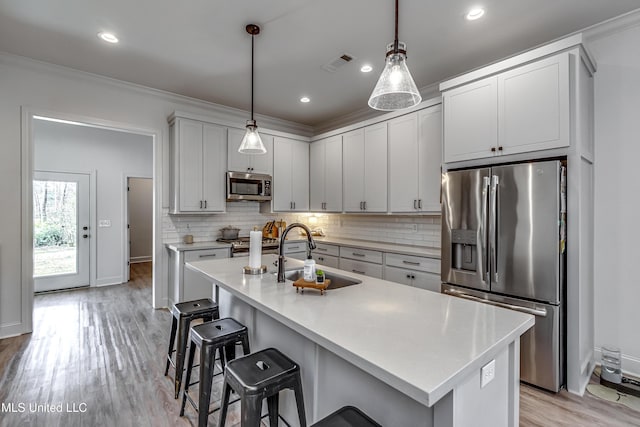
x: 46, y: 88
x: 112, y: 155
x: 140, y: 205
x: 617, y: 194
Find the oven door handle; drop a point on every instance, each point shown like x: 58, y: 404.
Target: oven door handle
x: 540, y: 312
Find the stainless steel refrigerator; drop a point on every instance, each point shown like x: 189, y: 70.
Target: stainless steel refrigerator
x: 503, y: 243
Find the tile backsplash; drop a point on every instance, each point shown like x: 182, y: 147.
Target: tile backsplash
x: 409, y: 230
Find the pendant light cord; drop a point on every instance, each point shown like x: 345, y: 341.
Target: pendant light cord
x: 252, y: 37
x: 395, y: 41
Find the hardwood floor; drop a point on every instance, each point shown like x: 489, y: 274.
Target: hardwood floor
x: 105, y: 348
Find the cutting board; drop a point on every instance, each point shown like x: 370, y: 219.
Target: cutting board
x: 301, y: 285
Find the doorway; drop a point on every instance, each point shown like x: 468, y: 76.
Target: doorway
x: 61, y: 250
x: 139, y: 230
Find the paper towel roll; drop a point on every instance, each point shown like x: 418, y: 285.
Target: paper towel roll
x: 255, y: 249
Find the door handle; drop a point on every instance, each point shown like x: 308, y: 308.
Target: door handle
x: 483, y: 236
x: 540, y: 312
x: 493, y: 226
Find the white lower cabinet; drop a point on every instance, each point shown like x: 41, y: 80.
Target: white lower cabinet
x: 419, y: 272
x: 361, y: 261
x: 327, y: 260
x: 295, y: 250
x: 185, y: 284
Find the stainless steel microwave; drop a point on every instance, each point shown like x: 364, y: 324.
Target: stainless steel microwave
x: 248, y: 186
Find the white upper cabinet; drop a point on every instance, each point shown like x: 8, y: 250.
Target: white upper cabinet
x: 365, y: 169
x: 253, y: 163
x: 325, y: 167
x: 429, y: 158
x: 520, y: 110
x: 198, y: 167
x: 415, y: 153
x: 290, y: 175
x: 533, y: 103
x: 471, y: 120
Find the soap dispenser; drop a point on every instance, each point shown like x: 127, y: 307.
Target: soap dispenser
x: 309, y: 270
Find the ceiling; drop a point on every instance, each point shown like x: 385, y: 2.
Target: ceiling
x: 201, y: 49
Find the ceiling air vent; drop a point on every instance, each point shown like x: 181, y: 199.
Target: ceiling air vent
x: 333, y: 65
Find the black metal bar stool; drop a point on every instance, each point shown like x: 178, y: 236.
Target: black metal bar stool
x: 258, y: 376
x: 221, y: 335
x: 347, y: 416
x: 183, y: 314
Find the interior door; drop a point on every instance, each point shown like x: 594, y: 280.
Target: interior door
x: 60, y: 230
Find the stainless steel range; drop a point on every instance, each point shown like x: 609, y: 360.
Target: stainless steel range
x: 240, y: 246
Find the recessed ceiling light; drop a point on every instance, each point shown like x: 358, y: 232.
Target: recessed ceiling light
x: 366, y: 68
x: 108, y: 37
x: 475, y: 13
x: 305, y: 99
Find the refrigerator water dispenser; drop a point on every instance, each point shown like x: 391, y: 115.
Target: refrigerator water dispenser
x: 464, y: 249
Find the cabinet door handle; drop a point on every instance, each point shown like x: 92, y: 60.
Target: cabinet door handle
x: 205, y: 204
x: 200, y: 204
x: 208, y: 256
x: 419, y: 203
x: 294, y: 205
x: 415, y: 204
x: 358, y: 271
x: 364, y: 204
x: 320, y: 258
x: 493, y: 149
x: 408, y: 276
x: 404, y: 261
x: 500, y: 148
x: 357, y: 254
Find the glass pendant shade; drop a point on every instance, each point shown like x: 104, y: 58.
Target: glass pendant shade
x: 395, y: 89
x: 252, y: 143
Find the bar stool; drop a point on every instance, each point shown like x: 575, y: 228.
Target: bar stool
x: 258, y: 376
x: 221, y: 335
x: 347, y: 416
x: 183, y: 314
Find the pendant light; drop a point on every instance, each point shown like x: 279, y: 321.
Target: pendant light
x: 252, y: 143
x: 395, y: 89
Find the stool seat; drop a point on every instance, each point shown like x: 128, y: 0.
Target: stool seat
x: 197, y: 307
x: 220, y: 332
x: 261, y: 369
x: 347, y: 416
x: 258, y: 376
x: 183, y: 314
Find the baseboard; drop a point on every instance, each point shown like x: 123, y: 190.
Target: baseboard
x: 139, y: 259
x: 630, y: 364
x: 108, y: 281
x: 9, y: 330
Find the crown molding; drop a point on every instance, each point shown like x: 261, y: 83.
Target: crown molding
x: 212, y: 111
x: 612, y: 26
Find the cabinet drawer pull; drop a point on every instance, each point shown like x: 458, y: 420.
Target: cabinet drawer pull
x: 208, y: 256
x: 404, y: 261
x: 321, y: 249
x: 358, y: 271
x: 293, y: 247
x: 357, y: 254
x: 320, y: 258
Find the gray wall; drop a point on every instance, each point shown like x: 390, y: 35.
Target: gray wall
x: 111, y: 156
x: 140, y: 207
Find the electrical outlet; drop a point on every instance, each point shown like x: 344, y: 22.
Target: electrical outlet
x: 487, y: 373
x: 414, y: 227
x: 104, y: 223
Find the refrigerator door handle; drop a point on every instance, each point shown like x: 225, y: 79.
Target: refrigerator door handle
x: 483, y: 244
x: 493, y: 232
x: 540, y: 312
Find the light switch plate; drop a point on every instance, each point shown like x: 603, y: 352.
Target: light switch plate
x: 487, y: 373
x: 104, y: 223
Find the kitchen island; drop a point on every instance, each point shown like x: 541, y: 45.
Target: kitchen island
x: 405, y: 356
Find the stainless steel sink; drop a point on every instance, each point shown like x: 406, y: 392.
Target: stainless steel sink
x: 337, y: 281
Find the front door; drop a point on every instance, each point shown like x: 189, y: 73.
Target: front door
x: 60, y: 230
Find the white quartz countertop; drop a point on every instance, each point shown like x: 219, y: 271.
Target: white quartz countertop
x: 397, y: 248
x: 421, y: 343
x: 197, y: 246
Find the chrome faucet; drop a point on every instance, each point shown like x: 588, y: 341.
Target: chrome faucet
x: 310, y: 245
